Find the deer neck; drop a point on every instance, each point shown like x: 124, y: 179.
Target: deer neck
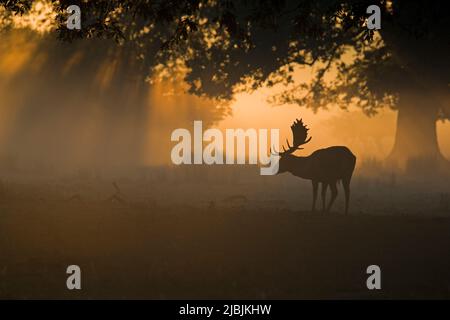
x: 300, y: 167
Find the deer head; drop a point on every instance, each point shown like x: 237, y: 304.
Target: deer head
x: 299, y: 136
x: 287, y: 161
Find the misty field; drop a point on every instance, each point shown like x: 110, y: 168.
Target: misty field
x: 229, y: 234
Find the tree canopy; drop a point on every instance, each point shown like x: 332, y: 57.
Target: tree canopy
x: 224, y: 45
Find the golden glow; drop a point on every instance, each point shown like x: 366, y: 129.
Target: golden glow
x: 106, y: 72
x: 170, y: 108
x: 16, y: 52
x: 368, y: 137
x: 95, y: 124
x: 40, y: 18
x: 72, y: 62
x: 443, y: 134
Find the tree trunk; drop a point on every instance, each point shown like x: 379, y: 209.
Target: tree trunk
x: 416, y: 146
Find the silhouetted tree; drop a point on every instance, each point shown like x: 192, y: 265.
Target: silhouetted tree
x: 230, y: 44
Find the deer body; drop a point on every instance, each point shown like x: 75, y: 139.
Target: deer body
x: 326, y: 166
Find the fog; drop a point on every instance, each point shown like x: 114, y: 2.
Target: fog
x: 86, y: 179
x: 85, y: 105
x: 70, y: 106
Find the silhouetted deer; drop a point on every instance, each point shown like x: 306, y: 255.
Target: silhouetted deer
x: 326, y: 166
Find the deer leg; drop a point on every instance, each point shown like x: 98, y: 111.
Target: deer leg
x: 315, y: 185
x: 346, y: 185
x: 333, y: 194
x: 324, y: 194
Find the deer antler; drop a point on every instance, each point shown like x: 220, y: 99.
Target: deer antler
x: 300, y: 137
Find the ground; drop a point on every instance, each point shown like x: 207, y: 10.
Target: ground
x: 240, y: 243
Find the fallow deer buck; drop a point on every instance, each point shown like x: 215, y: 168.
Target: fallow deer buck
x: 326, y: 166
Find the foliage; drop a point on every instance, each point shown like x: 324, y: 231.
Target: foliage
x: 227, y: 45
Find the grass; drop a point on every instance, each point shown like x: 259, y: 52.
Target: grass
x: 221, y: 234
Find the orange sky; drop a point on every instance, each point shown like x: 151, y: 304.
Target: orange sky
x: 369, y: 137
